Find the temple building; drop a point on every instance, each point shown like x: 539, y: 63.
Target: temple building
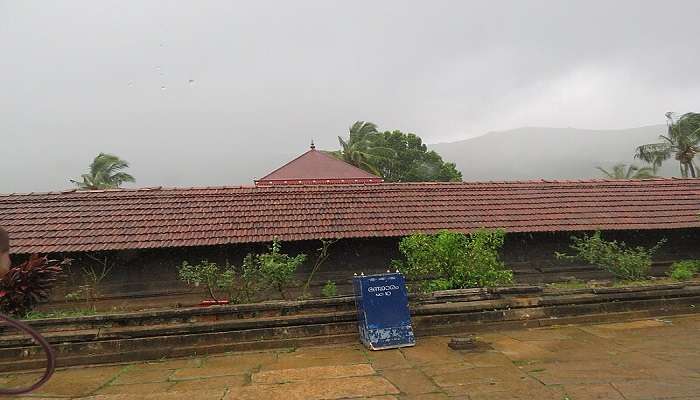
x: 145, y: 233
x: 317, y: 168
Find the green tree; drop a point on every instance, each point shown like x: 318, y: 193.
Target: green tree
x: 105, y: 173
x: 361, y: 149
x: 394, y: 155
x: 623, y: 171
x: 413, y: 162
x: 682, y: 142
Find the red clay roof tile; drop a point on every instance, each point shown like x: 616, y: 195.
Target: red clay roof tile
x: 317, y: 168
x: 135, y: 219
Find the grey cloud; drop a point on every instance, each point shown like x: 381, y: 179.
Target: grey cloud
x: 81, y: 77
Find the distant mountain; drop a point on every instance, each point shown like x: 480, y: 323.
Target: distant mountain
x: 548, y: 153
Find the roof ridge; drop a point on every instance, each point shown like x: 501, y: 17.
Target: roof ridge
x: 285, y: 164
x: 315, y: 165
x: 224, y: 187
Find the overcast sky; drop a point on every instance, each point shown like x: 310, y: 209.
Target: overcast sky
x: 219, y: 92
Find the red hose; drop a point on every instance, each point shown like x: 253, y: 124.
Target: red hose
x: 50, y: 356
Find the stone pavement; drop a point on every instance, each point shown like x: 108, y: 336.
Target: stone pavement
x: 646, y: 359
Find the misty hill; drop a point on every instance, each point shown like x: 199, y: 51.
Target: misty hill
x: 548, y: 153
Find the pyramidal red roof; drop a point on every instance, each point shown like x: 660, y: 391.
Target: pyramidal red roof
x: 317, y: 168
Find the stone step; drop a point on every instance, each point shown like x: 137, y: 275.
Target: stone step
x: 167, y: 342
x: 131, y: 343
x: 130, y: 332
x: 195, y: 314
x: 432, y: 307
x: 192, y: 349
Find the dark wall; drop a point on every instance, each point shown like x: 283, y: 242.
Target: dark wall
x: 154, y: 271
x: 531, y: 256
x: 537, y: 249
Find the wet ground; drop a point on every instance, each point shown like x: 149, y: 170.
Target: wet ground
x: 646, y: 359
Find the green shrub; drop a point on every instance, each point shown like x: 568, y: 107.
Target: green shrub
x: 681, y: 274
x: 258, y: 273
x: 684, y: 270
x: 624, y: 262
x: 329, y: 289
x: 208, y: 274
x: 450, y: 260
x: 276, y: 268
x: 250, y: 280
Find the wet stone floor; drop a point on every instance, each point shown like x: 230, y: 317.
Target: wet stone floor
x: 645, y: 359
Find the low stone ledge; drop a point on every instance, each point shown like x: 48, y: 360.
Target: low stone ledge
x: 263, y: 333
x: 457, y: 311
x: 193, y: 314
x: 643, y: 288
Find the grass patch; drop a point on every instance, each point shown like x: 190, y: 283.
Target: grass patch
x: 644, y: 282
x: 579, y: 284
x: 32, y: 315
x: 570, y: 284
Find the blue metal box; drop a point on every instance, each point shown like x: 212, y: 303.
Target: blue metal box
x: 383, y: 317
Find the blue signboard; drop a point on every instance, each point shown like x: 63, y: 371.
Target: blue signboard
x: 383, y: 319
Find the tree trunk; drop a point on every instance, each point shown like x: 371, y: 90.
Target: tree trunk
x: 211, y: 293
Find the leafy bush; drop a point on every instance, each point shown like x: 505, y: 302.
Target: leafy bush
x: 30, y: 283
x: 450, y: 260
x: 329, y: 289
x: 258, y: 272
x: 615, y: 257
x: 250, y: 280
x: 208, y: 274
x: 684, y: 270
x: 681, y: 273
x: 276, y: 268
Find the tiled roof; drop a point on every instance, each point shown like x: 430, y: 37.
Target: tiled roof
x: 150, y: 218
x: 317, y: 168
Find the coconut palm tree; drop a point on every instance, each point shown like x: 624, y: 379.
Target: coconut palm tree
x: 622, y: 171
x: 361, y: 129
x: 682, y: 142
x: 105, y: 173
x: 362, y: 148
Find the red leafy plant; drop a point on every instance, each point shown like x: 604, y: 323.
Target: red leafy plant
x: 28, y: 284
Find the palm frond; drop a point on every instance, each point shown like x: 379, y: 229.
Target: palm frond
x: 623, y: 171
x: 605, y: 172
x: 121, y: 177
x: 654, y: 152
x: 104, y: 173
